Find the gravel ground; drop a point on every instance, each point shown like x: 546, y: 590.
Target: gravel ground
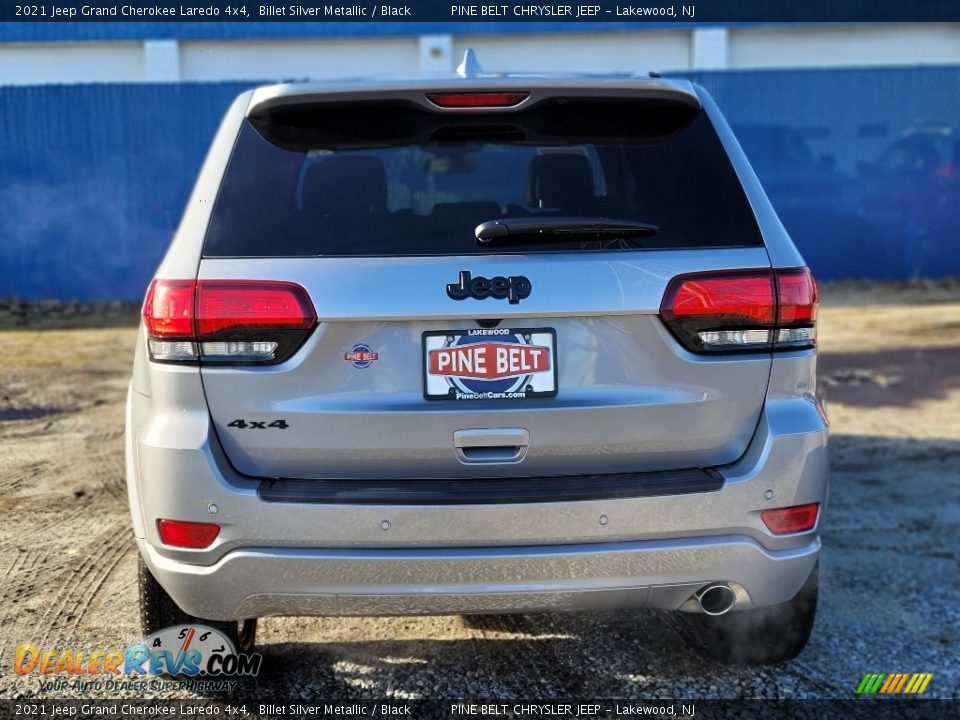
x: 889, y: 578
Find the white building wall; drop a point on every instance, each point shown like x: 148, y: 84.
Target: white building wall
x: 436, y: 53
x: 161, y: 61
x: 294, y: 59
x: 584, y: 52
x: 40, y: 63
x: 781, y: 47
x: 710, y: 48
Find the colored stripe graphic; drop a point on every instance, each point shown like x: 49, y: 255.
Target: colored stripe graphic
x: 870, y: 683
x: 900, y: 683
x: 894, y: 683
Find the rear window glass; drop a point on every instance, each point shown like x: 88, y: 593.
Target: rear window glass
x: 396, y: 180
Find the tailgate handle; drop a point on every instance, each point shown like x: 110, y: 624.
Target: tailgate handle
x: 491, y: 445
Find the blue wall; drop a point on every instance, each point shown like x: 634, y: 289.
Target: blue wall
x: 259, y: 30
x: 93, y: 179
x: 861, y: 165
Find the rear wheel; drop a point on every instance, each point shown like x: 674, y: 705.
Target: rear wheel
x: 159, y: 611
x: 763, y: 635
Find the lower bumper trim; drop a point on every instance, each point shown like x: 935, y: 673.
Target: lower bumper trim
x: 474, y: 491
x: 663, y: 574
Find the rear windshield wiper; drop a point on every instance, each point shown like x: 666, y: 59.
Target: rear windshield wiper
x: 549, y: 228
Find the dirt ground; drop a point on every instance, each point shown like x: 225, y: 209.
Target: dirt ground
x: 890, y: 373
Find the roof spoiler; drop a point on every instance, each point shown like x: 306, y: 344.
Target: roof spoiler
x: 267, y: 100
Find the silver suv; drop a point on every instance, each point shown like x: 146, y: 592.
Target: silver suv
x: 480, y: 344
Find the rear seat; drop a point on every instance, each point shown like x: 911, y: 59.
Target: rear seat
x: 472, y: 213
x: 562, y: 183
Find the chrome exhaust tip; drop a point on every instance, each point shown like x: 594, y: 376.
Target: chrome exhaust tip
x: 716, y: 599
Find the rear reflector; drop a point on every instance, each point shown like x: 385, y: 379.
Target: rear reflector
x: 477, y: 99
x: 798, y: 518
x: 218, y: 321
x: 742, y: 310
x: 177, y: 533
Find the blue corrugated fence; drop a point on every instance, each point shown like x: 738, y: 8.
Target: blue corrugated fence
x: 863, y: 166
x: 93, y: 180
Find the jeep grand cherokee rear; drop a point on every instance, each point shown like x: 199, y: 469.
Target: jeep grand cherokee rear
x: 498, y: 344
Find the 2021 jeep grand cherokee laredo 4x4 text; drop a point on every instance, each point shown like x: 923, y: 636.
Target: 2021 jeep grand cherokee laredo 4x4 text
x: 472, y: 345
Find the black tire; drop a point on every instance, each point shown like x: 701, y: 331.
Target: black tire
x: 159, y: 611
x: 761, y: 636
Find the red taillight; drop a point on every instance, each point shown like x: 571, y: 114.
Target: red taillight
x: 223, y: 306
x: 252, y: 321
x: 477, y: 99
x: 797, y: 297
x: 739, y: 310
x: 744, y: 297
x: 798, y: 518
x: 797, y: 302
x: 187, y: 534
x: 168, y: 308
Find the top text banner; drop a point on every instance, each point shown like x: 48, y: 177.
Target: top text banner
x: 594, y: 11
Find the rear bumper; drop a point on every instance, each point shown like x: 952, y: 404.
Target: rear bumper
x: 310, y: 558
x: 655, y: 574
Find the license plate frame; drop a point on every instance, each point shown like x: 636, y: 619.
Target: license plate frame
x: 516, y: 385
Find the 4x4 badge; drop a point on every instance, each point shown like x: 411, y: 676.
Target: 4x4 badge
x: 515, y: 287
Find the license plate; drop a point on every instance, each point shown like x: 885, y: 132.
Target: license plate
x: 490, y: 364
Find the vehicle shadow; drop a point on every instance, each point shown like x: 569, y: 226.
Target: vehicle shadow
x: 898, y: 377
x: 508, y: 656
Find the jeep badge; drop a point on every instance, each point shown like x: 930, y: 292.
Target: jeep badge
x: 515, y: 287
